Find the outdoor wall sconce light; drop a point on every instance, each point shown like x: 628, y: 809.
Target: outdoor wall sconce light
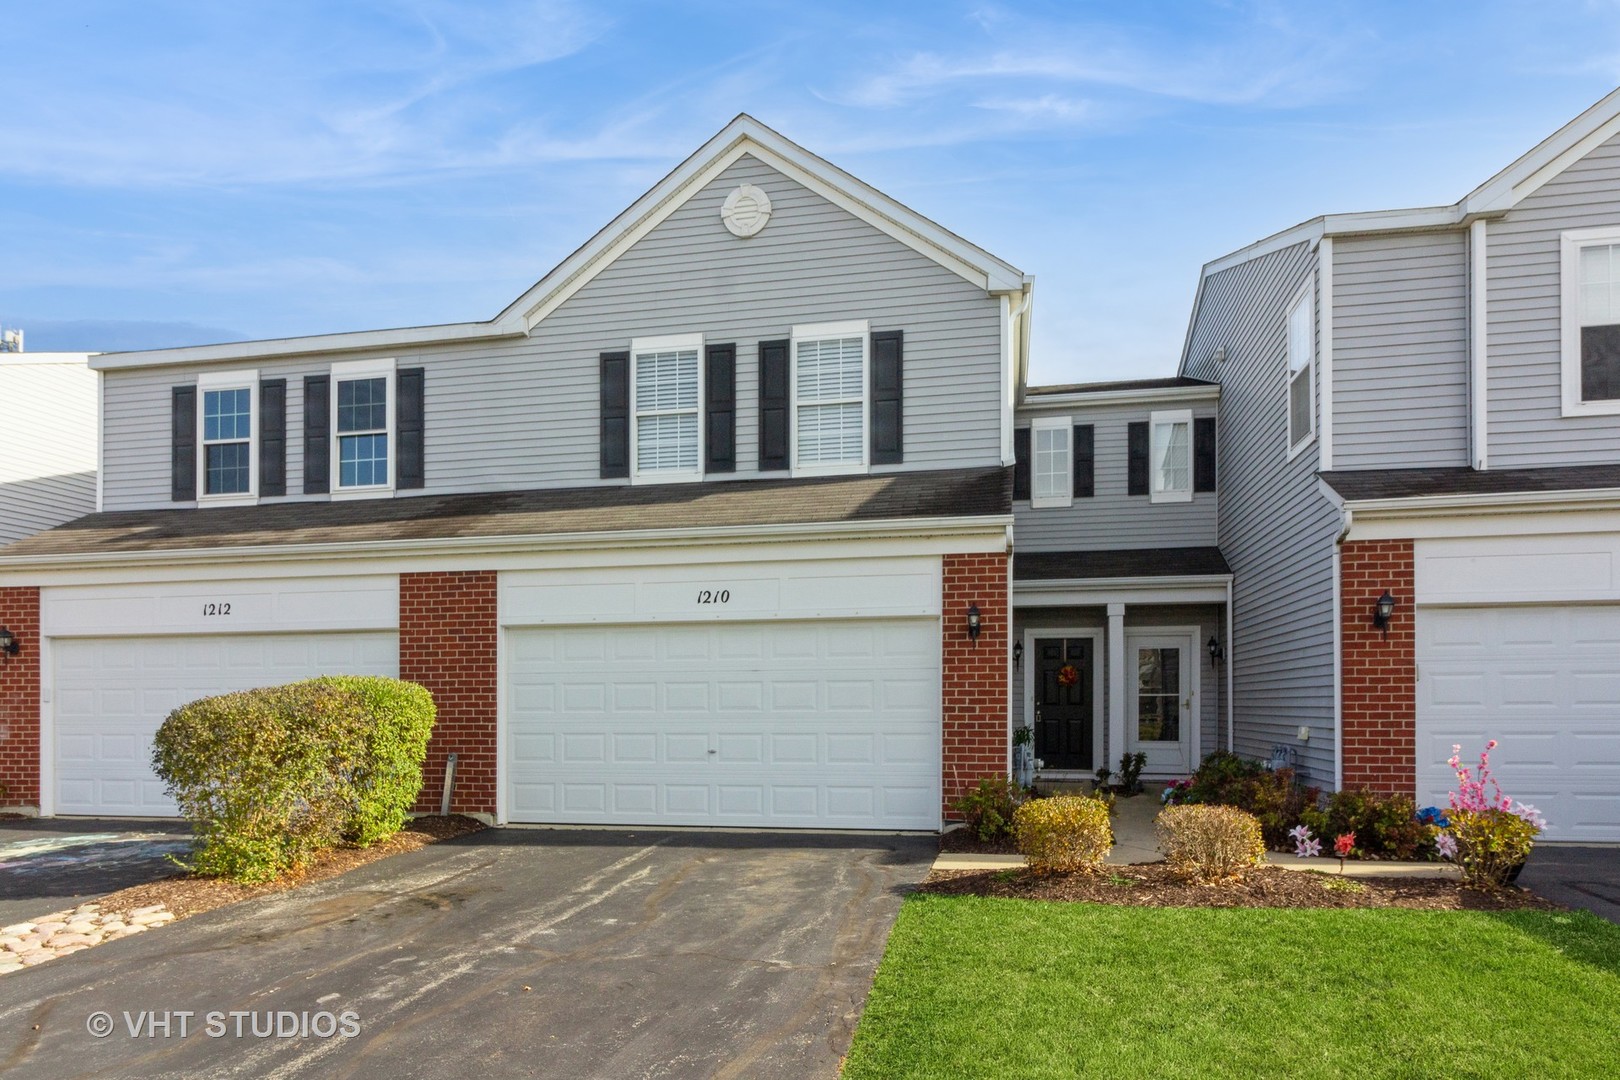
x: 973, y: 622
x: 1018, y: 654
x: 8, y: 642
x: 1216, y: 652
x: 1383, y: 611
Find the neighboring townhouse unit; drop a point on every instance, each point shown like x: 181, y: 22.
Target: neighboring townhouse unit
x: 1422, y: 407
x: 692, y: 533
x: 48, y: 407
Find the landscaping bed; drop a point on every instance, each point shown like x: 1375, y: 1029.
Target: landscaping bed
x: 1154, y: 885
x: 185, y: 895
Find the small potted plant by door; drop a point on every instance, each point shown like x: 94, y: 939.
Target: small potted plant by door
x: 1024, y: 756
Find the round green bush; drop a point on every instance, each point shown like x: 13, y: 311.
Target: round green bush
x: 270, y: 776
x: 1063, y: 834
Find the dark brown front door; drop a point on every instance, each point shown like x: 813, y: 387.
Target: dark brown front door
x: 1063, y: 698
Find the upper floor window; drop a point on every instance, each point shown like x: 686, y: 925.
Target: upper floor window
x: 1591, y: 321
x: 362, y: 423
x: 229, y: 455
x: 829, y: 397
x: 1051, y: 478
x: 666, y: 380
x: 1171, y: 456
x: 1301, y: 371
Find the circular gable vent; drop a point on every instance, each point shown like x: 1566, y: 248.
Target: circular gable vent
x: 746, y: 211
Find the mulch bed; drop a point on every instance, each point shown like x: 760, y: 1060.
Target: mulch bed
x: 1153, y: 885
x: 186, y: 895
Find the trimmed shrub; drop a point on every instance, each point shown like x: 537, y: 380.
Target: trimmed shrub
x: 988, y: 809
x: 1384, y: 825
x: 1273, y: 796
x: 1491, y: 844
x: 1209, y: 843
x: 1063, y: 834
x: 270, y: 776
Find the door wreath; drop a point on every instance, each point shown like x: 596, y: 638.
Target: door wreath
x: 1068, y: 675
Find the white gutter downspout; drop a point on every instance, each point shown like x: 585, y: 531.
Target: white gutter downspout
x: 1347, y: 519
x: 1014, y: 328
x: 1478, y: 399
x: 1231, y: 716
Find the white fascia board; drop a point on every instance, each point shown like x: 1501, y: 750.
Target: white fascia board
x: 32, y: 359
x: 1383, y: 221
x: 747, y: 136
x: 303, y: 346
x: 1513, y: 502
x: 988, y: 533
x: 1162, y: 396
x: 1191, y: 589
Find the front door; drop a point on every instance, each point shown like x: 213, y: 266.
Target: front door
x: 1063, y: 700
x: 1160, y: 711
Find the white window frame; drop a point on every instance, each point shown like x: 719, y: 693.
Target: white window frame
x: 228, y: 380
x: 1570, y: 245
x: 1306, y: 296
x: 1051, y: 423
x: 347, y: 372
x: 1155, y: 492
x: 818, y: 332
x: 667, y: 343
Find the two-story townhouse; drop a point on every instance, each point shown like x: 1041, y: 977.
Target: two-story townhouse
x: 1420, y: 438
x: 711, y: 526
x: 48, y: 403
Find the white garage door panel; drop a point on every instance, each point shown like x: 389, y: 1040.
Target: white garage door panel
x: 1545, y: 683
x: 829, y: 724
x: 112, y: 693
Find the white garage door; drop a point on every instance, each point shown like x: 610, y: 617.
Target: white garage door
x: 796, y: 725
x: 112, y: 693
x: 1545, y: 683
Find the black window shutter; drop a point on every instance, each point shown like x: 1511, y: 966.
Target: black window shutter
x: 720, y: 407
x: 1204, y: 454
x: 1021, y: 463
x: 1085, y: 461
x: 183, y: 445
x: 773, y: 405
x: 615, y: 415
x: 1136, y: 458
x: 410, y: 468
x: 317, y: 431
x: 888, y: 391
x: 272, y: 437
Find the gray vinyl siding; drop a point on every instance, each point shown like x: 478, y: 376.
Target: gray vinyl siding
x: 1525, y: 427
x: 524, y: 413
x: 1400, y: 351
x: 1276, y: 529
x: 1111, y: 518
x: 1211, y: 686
x: 48, y: 419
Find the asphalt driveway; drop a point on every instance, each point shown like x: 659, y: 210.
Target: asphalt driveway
x: 1580, y: 875
x: 509, y: 953
x: 47, y: 865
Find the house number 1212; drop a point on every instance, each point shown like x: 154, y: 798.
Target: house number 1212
x: 714, y: 596
x: 216, y: 609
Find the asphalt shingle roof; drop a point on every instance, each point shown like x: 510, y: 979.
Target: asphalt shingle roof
x: 1355, y: 485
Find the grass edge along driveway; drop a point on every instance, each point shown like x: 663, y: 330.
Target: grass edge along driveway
x: 976, y: 987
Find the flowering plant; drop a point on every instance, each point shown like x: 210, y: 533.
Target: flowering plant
x: 1344, y: 844
x: 1305, y: 846
x: 1176, y: 792
x: 1488, y: 834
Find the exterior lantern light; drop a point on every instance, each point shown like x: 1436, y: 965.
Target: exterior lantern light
x: 8, y: 642
x: 1217, y: 653
x: 1383, y: 611
x: 973, y: 622
x: 1018, y: 654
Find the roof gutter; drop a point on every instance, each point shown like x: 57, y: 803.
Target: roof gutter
x: 1511, y: 502
x: 1167, y: 394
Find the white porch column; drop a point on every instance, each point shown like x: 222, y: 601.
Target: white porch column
x: 1116, y: 684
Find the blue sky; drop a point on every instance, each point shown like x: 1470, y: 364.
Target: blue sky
x: 176, y: 173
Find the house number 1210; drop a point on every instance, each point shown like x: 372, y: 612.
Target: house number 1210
x: 714, y: 596
x: 216, y: 609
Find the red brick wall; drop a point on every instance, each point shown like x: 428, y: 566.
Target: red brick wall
x: 1379, y: 674
x: 974, y: 701
x: 19, y: 699
x: 447, y: 642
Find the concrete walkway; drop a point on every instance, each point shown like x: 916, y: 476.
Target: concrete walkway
x: 1135, y: 842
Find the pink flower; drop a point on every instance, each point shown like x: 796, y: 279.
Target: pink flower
x: 1446, y: 845
x: 1344, y: 845
x: 1309, y: 849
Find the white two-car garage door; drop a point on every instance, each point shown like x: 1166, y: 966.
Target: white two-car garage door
x: 796, y: 724
x: 1543, y: 680
x: 112, y: 693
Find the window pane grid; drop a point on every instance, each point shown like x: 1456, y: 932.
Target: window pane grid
x: 227, y: 467
x: 667, y: 411
x: 830, y: 392
x: 1051, y: 472
x: 362, y: 405
x: 362, y: 460
x: 1172, y: 457
x: 227, y: 441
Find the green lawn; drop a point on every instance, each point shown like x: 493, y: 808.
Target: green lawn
x: 973, y: 987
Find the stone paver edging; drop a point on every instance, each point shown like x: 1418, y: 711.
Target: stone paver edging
x: 63, y: 933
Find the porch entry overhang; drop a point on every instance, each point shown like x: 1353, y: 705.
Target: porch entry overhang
x: 1072, y: 698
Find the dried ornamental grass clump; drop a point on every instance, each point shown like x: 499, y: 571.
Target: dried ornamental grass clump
x: 1063, y: 834
x: 1209, y: 843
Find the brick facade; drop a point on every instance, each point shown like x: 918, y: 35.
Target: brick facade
x: 447, y: 642
x: 974, y: 700
x: 19, y: 700
x: 1379, y: 674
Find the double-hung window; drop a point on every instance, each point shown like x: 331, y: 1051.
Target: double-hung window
x: 666, y: 386
x: 362, y: 425
x: 1051, y: 476
x: 229, y: 459
x: 1301, y: 371
x: 1591, y: 321
x: 1170, y: 456
x: 829, y: 398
